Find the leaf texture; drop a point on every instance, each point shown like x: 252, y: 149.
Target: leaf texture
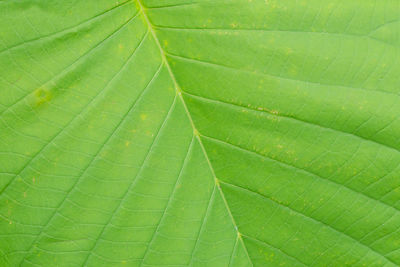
x: 200, y: 133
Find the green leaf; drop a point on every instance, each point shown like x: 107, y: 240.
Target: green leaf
x: 200, y: 133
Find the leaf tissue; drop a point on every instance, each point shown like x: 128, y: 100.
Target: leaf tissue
x: 200, y: 133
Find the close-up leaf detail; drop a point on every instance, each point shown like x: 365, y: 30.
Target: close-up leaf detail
x: 200, y: 133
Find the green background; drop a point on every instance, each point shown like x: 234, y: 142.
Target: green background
x: 200, y: 133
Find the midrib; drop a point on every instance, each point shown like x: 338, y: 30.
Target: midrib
x: 195, y: 131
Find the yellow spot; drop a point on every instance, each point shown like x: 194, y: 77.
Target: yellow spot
x: 42, y: 96
x: 123, y: 262
x: 196, y: 132
x: 120, y: 46
x: 133, y: 131
x: 10, y: 222
x: 127, y: 143
x: 165, y: 43
x: 24, y: 194
x: 33, y: 180
x: 143, y: 116
x: 234, y: 25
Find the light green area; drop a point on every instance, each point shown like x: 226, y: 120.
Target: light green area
x: 200, y: 133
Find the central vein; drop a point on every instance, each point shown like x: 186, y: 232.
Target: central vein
x: 195, y: 131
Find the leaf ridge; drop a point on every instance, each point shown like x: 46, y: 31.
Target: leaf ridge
x: 204, y: 220
x: 74, y: 62
x: 185, y: 161
x: 133, y: 183
x: 206, y: 99
x: 70, y: 122
x: 279, y: 249
x: 95, y: 156
x: 301, y: 169
x: 348, y: 35
x: 196, y: 133
x: 66, y: 29
x: 200, y: 61
x: 248, y: 191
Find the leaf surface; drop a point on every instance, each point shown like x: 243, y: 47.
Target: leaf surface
x: 200, y: 133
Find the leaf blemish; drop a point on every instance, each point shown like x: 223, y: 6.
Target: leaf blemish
x: 42, y: 96
x: 143, y: 116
